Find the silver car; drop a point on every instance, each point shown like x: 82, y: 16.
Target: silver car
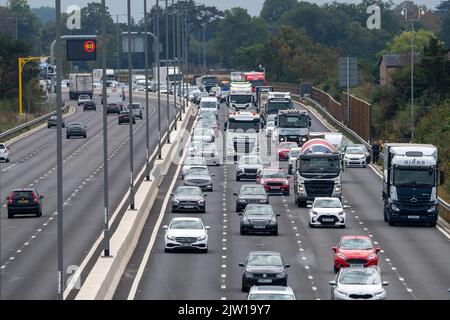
x: 190, y: 162
x: 199, y: 177
x: 271, y: 293
x: 203, y: 134
x: 248, y: 167
x: 358, y: 284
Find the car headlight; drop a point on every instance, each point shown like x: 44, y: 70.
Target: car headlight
x: 286, y: 183
x: 281, y: 275
x: 339, y: 291
x: 338, y: 189
x: 340, y: 255
x: 176, y: 202
x: 200, y: 238
x: 262, y: 201
x: 304, y: 139
x: 248, y: 274
x: 273, y: 220
x: 314, y: 212
x: 170, y: 237
x: 432, y: 209
x: 341, y: 213
x: 242, y: 201
x: 395, y: 207
x: 372, y: 256
x: 379, y: 293
x: 201, y: 202
x: 301, y: 188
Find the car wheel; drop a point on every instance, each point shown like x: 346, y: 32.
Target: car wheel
x: 204, y: 250
x: 275, y: 233
x: 49, y: 127
x: 336, y: 270
x: 203, y: 210
x: 391, y: 223
x: 238, y: 179
x: 342, y: 226
x: 167, y: 250
x: 286, y: 193
x: 7, y: 160
x: 311, y: 225
x: 301, y: 204
x: 174, y: 211
x: 244, y: 288
x: 67, y: 136
x: 433, y: 224
x: 85, y: 136
x: 10, y: 215
x: 385, y: 216
x: 243, y: 233
x: 290, y: 169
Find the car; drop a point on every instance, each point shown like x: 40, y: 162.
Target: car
x: 113, y: 108
x: 211, y: 124
x: 263, y: 268
x: 190, y: 162
x: 89, y: 105
x: 163, y: 89
x: 53, y: 122
x: 284, y: 148
x: 199, y: 96
x: 360, y: 146
x: 124, y: 117
x: 137, y: 110
x: 82, y: 98
x: 76, y: 129
x: 259, y: 218
x: 209, y: 104
x: 271, y: 293
x: 203, y: 134
x: 248, y: 167
x: 193, y: 94
x: 274, y: 181
x: 4, y: 152
x: 199, y: 177
x: 327, y: 211
x: 358, y: 284
x: 188, y: 199
x: 355, y: 251
x: 355, y: 156
x: 186, y: 234
x: 250, y: 193
x: 293, y: 155
x: 205, y: 150
x: 24, y: 201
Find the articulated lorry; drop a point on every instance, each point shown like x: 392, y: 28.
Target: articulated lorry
x: 292, y: 125
x: 80, y: 83
x: 410, y: 180
x: 276, y: 101
x: 240, y: 97
x: 317, y: 172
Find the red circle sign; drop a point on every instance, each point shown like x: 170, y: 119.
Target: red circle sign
x: 89, y: 46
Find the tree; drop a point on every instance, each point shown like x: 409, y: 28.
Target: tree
x: 273, y: 9
x: 402, y: 43
x: 28, y: 24
x: 444, y: 35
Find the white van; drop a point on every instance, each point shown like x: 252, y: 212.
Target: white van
x: 209, y: 104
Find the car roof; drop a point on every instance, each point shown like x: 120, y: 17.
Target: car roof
x: 209, y: 99
x: 258, y: 205
x: 186, y: 218
x: 75, y: 124
x: 326, y: 198
x: 24, y: 189
x: 251, y: 186
x: 355, y: 237
x: 264, y: 253
x: 188, y: 187
x: 272, y: 289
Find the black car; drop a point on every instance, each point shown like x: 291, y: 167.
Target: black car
x: 259, y: 218
x: 76, y: 129
x: 124, y: 117
x: 89, y: 105
x: 188, y: 199
x: 113, y: 108
x: 250, y: 193
x: 53, y: 122
x: 199, y: 177
x: 263, y: 268
x: 24, y: 201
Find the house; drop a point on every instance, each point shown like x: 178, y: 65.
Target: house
x: 390, y: 63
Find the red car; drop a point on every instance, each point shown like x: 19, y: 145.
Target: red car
x: 274, y: 181
x: 284, y: 148
x: 355, y: 251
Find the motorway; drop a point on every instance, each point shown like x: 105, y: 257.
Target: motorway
x: 28, y: 244
x: 415, y: 260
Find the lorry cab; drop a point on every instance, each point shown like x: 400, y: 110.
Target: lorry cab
x: 209, y: 104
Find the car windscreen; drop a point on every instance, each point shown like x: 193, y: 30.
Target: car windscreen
x: 198, y: 172
x: 264, y: 260
x: 355, y: 151
x: 327, y: 203
x: 240, y: 99
x: 273, y: 174
x: 259, y: 210
x: 195, y: 161
x: 2, y: 146
x: 355, y: 244
x: 186, y: 224
x: 293, y: 121
x: 287, y: 145
x: 188, y: 192
x: 208, y: 105
x: 252, y: 190
x: 360, y: 277
x: 270, y: 296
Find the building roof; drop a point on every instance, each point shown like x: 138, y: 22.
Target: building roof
x: 395, y: 60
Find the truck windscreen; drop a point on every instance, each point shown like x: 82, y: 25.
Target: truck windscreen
x: 414, y: 177
x: 320, y: 165
x: 285, y: 121
x: 240, y: 99
x: 257, y: 83
x: 211, y: 81
x: 243, y: 126
x: 274, y: 107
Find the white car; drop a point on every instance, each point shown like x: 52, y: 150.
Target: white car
x: 271, y: 293
x: 327, y: 212
x: 248, y: 167
x: 186, y: 233
x: 292, y: 158
x: 191, y: 162
x: 205, y: 150
x: 83, y: 98
x: 203, y: 134
x: 4, y: 152
x: 358, y: 284
x: 355, y: 156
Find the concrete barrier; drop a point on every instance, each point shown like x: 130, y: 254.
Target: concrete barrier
x: 104, y: 277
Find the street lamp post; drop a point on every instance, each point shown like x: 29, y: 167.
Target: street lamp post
x: 159, y: 80
x: 147, y: 127
x: 404, y: 13
x: 167, y: 70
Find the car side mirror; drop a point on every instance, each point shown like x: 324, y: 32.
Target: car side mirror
x: 385, y: 283
x: 235, y: 194
x: 309, y: 206
x: 240, y: 214
x: 241, y: 265
x: 165, y: 227
x: 207, y: 228
x: 346, y: 206
x: 288, y: 177
x: 213, y: 175
x: 171, y: 194
x: 278, y: 215
x: 332, y: 283
x: 205, y: 194
x: 377, y: 250
x: 334, y: 249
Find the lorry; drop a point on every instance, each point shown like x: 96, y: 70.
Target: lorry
x: 242, y: 134
x: 207, y: 82
x: 261, y: 95
x: 317, y: 172
x: 292, y: 125
x: 114, y: 95
x: 276, y: 101
x: 240, y: 97
x: 411, y: 176
x: 80, y: 83
x: 97, y: 75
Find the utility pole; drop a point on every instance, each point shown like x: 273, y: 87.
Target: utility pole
x: 159, y: 80
x: 167, y: 70
x: 130, y: 106
x: 147, y: 125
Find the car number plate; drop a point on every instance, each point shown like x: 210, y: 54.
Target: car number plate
x: 275, y: 188
x: 259, y: 227
x: 413, y: 217
x: 327, y: 220
x: 189, y: 207
x: 356, y: 265
x: 265, y: 280
x: 23, y: 201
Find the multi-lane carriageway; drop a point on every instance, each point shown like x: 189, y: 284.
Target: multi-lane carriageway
x: 415, y: 260
x: 29, y: 245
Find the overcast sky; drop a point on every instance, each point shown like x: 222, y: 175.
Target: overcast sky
x: 119, y: 6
